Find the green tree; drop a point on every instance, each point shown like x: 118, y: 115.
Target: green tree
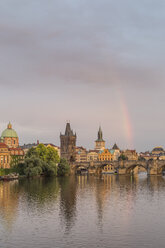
x: 63, y: 167
x: 41, y: 151
x: 50, y: 169
x: 122, y: 157
x: 52, y: 155
x: 33, y: 166
x: 43, y: 160
x: 19, y: 168
x: 31, y: 152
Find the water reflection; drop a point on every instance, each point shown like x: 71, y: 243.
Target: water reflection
x: 71, y: 208
x: 68, y: 189
x: 9, y: 198
x: 39, y: 193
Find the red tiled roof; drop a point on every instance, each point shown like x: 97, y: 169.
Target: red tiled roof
x: 3, y: 145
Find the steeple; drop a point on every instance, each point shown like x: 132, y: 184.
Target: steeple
x: 68, y: 131
x: 100, y: 135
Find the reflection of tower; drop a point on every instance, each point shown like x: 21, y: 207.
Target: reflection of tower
x: 103, y: 192
x: 68, y: 200
x: 100, y: 143
x: 68, y: 144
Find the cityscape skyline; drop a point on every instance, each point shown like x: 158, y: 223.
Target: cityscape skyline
x: 97, y: 62
x: 79, y: 144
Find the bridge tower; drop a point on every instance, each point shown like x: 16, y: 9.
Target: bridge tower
x: 68, y: 144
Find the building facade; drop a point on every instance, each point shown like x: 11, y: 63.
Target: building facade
x: 10, y: 137
x: 106, y: 155
x: 92, y: 155
x: 10, y: 152
x: 81, y: 154
x: 68, y: 144
x: 130, y: 154
x: 116, y: 150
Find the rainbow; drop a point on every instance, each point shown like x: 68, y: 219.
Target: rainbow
x: 126, y: 120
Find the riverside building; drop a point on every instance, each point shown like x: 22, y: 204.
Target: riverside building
x: 10, y: 151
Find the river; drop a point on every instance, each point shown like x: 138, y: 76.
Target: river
x: 111, y: 211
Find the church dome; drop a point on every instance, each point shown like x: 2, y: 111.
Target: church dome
x: 9, y: 132
x: 158, y: 149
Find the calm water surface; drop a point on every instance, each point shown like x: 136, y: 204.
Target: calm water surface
x: 112, y: 211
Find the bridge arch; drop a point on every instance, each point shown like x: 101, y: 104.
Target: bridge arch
x: 81, y: 170
x: 134, y: 168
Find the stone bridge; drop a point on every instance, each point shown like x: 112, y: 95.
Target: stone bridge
x: 154, y: 167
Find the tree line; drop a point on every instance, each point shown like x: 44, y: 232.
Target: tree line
x: 42, y: 161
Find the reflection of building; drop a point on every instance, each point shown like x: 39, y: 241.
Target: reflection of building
x: 106, y: 155
x: 108, y: 169
x: 68, y: 144
x: 81, y: 154
x: 100, y: 143
x: 68, y: 192
x: 92, y: 155
x: 130, y: 154
x: 10, y: 152
x: 8, y: 201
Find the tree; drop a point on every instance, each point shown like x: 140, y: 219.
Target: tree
x: 52, y: 155
x: 31, y: 152
x: 42, y: 160
x: 33, y: 166
x: 50, y: 169
x: 41, y: 151
x: 63, y: 167
x: 19, y: 168
x: 141, y: 158
x: 122, y: 157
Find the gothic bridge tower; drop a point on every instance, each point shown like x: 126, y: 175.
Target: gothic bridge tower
x: 68, y: 144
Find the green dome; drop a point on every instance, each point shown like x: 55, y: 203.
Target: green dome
x: 9, y: 132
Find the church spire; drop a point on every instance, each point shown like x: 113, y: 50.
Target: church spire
x: 100, y: 135
x: 99, y: 143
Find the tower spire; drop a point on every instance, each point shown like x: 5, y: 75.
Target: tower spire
x: 99, y: 143
x: 100, y: 134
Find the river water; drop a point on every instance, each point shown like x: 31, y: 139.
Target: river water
x: 111, y: 211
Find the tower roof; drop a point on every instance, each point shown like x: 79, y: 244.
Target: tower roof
x: 68, y: 130
x: 9, y: 132
x: 115, y: 147
x: 100, y: 135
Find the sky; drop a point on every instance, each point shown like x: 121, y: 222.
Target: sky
x: 90, y: 62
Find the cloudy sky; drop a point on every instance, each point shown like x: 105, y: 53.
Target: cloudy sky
x: 92, y: 62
